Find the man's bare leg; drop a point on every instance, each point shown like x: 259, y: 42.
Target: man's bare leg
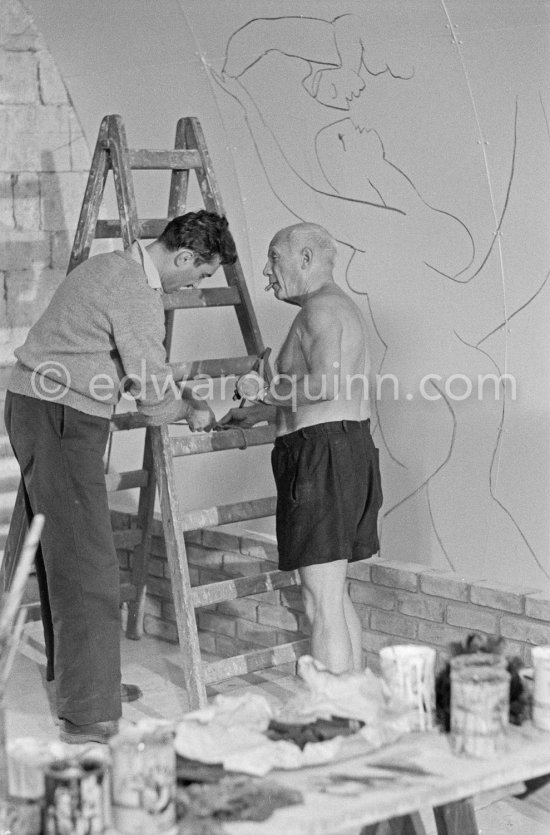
x: 355, y: 631
x: 323, y: 591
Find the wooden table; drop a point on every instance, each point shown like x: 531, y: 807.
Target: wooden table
x: 381, y: 808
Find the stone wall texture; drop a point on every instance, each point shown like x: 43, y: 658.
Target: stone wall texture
x: 44, y: 160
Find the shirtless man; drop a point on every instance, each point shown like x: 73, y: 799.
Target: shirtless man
x: 324, y: 461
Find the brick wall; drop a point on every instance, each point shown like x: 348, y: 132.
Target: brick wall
x: 44, y: 161
x: 396, y: 602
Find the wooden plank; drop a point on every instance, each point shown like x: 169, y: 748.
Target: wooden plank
x: 93, y: 195
x: 458, y: 818
x: 179, y: 571
x: 212, y: 368
x: 259, y: 659
x: 146, y: 228
x: 126, y: 481
x: 243, y: 586
x: 223, y: 439
x: 195, y: 297
x: 211, y: 517
x: 127, y: 538
x: 178, y: 159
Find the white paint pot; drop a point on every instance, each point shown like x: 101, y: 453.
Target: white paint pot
x: 409, y: 672
x: 541, y: 690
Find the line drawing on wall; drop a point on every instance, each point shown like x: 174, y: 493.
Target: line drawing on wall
x: 419, y: 267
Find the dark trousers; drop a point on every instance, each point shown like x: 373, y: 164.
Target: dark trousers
x: 60, y: 451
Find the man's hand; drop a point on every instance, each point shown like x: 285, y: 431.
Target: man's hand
x: 245, y: 417
x: 199, y: 416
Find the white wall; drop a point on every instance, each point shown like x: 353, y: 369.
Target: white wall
x: 418, y: 134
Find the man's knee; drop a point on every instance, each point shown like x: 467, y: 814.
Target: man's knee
x: 323, y: 602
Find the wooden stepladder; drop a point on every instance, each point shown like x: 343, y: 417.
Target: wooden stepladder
x: 190, y: 153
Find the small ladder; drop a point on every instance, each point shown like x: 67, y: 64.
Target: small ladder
x: 190, y: 153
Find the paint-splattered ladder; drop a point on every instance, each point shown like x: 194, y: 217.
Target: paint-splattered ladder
x: 190, y: 153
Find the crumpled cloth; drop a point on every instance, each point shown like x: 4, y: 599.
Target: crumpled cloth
x: 232, y: 731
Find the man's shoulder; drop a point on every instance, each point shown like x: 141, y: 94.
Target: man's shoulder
x: 332, y: 301
x: 106, y: 264
x: 110, y: 274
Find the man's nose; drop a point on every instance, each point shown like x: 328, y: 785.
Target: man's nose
x: 267, y: 269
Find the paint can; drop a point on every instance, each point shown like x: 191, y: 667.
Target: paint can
x: 75, y: 798
x: 143, y: 780
x: 409, y: 672
x: 480, y: 704
x: 541, y: 690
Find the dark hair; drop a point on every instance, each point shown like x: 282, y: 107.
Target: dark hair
x: 205, y: 233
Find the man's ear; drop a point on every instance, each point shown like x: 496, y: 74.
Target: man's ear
x: 184, y: 256
x: 307, y: 257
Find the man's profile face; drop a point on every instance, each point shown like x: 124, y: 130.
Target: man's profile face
x: 187, y: 272
x: 282, y: 269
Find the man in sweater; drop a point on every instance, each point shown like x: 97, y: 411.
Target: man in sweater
x: 101, y: 336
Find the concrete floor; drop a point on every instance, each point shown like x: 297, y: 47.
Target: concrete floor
x: 156, y: 667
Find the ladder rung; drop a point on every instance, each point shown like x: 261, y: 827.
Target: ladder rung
x: 215, y: 368
x: 258, y: 659
x: 243, y: 586
x: 223, y: 439
x: 127, y: 592
x: 147, y: 228
x: 127, y: 538
x: 127, y: 480
x: 224, y: 514
x: 175, y: 159
x: 209, y: 297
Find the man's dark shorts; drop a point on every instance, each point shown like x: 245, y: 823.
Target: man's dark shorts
x: 328, y: 494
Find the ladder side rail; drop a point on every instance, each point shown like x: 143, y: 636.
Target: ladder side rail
x: 177, y: 201
x: 233, y: 272
x: 125, y: 197
x: 179, y: 571
x: 142, y: 551
x: 124, y: 185
x: 179, y: 180
x: 91, y: 202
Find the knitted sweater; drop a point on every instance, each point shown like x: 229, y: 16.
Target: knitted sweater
x: 100, y: 338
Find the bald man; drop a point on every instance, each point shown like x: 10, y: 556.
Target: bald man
x: 324, y: 461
